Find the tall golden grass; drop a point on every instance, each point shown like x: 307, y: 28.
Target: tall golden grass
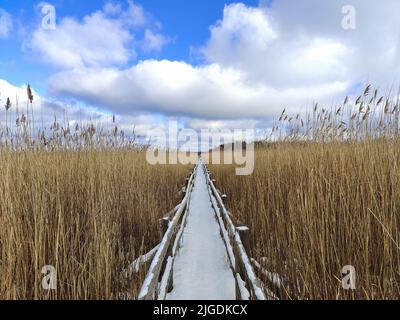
x: 80, y: 197
x: 324, y: 195
x: 87, y: 213
x: 313, y: 209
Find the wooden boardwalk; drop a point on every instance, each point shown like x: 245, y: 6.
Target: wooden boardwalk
x: 201, y: 268
x: 203, y: 254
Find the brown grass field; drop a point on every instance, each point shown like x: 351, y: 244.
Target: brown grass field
x: 87, y: 213
x: 324, y: 194
x: 314, y: 208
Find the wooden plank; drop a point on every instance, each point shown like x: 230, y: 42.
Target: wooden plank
x: 164, y: 224
x: 241, y: 291
x: 247, y: 269
x: 224, y: 232
x: 244, y: 234
x: 178, y: 237
x: 183, y: 223
x: 242, y: 261
x: 135, y: 266
x: 149, y: 288
x: 139, y: 262
x: 166, y: 281
x: 276, y: 283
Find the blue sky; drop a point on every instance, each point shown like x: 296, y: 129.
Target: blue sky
x: 215, y: 63
x: 185, y: 22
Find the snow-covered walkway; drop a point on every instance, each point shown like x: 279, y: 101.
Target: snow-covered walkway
x: 201, y: 269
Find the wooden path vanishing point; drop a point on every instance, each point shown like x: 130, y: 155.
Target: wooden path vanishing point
x: 203, y: 255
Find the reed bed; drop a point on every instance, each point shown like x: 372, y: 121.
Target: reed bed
x: 87, y: 213
x: 80, y: 197
x: 325, y: 195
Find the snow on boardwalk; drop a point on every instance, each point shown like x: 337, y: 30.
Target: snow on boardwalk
x: 201, y: 268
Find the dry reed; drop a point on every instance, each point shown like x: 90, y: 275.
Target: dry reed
x: 325, y: 195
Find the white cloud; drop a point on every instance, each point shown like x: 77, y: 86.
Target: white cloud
x: 229, y: 86
x: 95, y: 41
x: 112, y: 8
x: 251, y: 40
x: 294, y: 43
x: 153, y: 41
x: 43, y: 109
x: 7, y: 90
x: 135, y: 16
x: 46, y: 111
x: 242, y: 35
x: 173, y: 87
x: 48, y: 108
x: 6, y: 23
x: 102, y: 39
x: 132, y: 16
x: 256, y: 61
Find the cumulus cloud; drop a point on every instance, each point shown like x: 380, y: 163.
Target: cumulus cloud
x: 302, y: 43
x: 142, y: 126
x: 173, y: 87
x: 257, y: 60
x: 43, y: 108
x: 94, y: 41
x: 6, y: 23
x: 135, y: 16
x: 242, y: 36
x: 101, y: 39
x: 132, y: 16
x: 251, y: 40
x: 19, y: 101
x: 46, y: 109
x: 153, y: 41
x: 8, y: 90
